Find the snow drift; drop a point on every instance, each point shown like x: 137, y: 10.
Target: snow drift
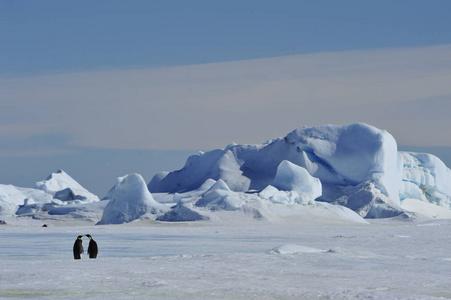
x: 129, y: 200
x: 181, y: 213
x: 289, y: 249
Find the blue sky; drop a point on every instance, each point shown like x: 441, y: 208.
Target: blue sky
x: 104, y: 88
x: 58, y: 36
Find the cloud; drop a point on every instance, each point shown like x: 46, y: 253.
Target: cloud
x: 405, y: 91
x: 35, y: 145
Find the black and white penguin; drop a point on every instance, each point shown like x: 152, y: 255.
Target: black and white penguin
x: 92, y: 248
x: 78, y: 247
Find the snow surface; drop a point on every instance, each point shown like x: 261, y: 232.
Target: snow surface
x: 426, y: 209
x: 384, y: 260
x: 62, y: 186
x: 130, y: 200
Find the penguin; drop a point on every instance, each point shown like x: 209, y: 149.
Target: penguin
x: 78, y: 247
x: 92, y: 248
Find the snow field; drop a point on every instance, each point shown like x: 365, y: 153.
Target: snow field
x: 384, y: 260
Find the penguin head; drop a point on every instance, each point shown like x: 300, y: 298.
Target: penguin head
x: 79, y: 237
x: 89, y: 236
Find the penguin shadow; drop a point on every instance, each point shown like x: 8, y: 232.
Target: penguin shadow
x: 78, y: 250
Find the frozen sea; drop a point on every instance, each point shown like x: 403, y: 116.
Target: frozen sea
x: 386, y: 259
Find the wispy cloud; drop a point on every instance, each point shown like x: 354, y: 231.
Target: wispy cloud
x: 405, y: 91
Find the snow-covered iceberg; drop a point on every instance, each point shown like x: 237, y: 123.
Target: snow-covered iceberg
x: 216, y: 164
x: 220, y: 197
x: 343, y: 173
x: 291, y: 177
x: 425, y: 177
x: 58, y: 197
x: 65, y: 188
x: 129, y: 200
x: 271, y: 205
x: 368, y: 201
x: 356, y: 165
x: 292, y: 185
x: 12, y: 197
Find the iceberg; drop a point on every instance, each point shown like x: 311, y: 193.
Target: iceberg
x: 349, y: 155
x: 327, y: 170
x: 274, y: 195
x: 291, y: 177
x: 220, y: 197
x: 368, y: 201
x: 355, y: 165
x: 129, y: 200
x: 65, y: 188
x: 216, y: 164
x: 59, y: 195
x: 12, y: 197
x: 425, y: 177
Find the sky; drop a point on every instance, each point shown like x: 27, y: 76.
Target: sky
x: 61, y: 36
x: 116, y: 77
